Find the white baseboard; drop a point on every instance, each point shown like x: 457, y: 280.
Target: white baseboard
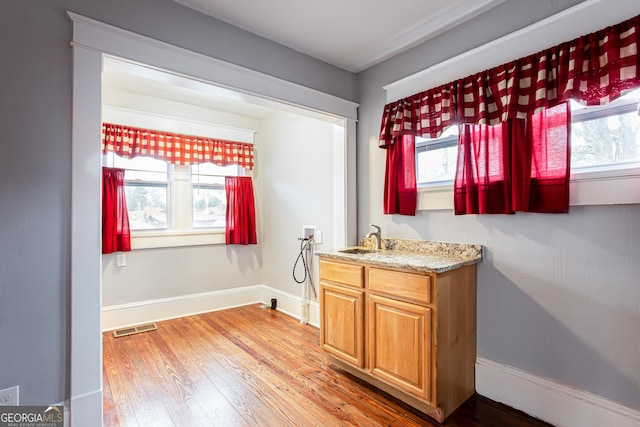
x: 125, y: 315
x: 546, y: 400
x: 291, y: 304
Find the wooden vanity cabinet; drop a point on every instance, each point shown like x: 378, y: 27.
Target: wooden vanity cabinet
x: 400, y: 344
x: 342, y: 319
x: 411, y: 334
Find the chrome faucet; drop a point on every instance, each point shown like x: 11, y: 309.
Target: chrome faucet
x: 377, y: 235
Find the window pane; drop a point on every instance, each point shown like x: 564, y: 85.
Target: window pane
x: 208, y: 173
x: 437, y: 165
x: 142, y: 168
x: 147, y: 206
x: 606, y: 141
x: 209, y: 206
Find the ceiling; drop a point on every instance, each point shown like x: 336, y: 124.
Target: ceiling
x: 120, y: 76
x: 144, y: 80
x: 351, y: 34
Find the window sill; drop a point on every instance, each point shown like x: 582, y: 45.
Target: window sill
x: 169, y: 239
x: 617, y: 186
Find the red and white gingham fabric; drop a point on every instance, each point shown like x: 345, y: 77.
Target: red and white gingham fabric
x: 129, y: 142
x: 592, y: 69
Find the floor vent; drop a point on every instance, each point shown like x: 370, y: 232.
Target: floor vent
x: 134, y: 330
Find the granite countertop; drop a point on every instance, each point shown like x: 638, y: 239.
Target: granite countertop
x: 418, y: 255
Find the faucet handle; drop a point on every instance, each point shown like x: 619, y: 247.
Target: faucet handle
x: 376, y: 227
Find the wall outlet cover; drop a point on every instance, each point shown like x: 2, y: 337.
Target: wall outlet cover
x: 9, y: 396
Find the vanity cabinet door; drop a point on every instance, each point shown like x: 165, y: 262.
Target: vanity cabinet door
x: 342, y: 322
x: 400, y: 344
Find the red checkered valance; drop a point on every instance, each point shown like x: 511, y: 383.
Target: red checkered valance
x: 129, y: 142
x: 592, y: 69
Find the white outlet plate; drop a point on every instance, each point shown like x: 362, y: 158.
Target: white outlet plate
x: 121, y: 260
x: 9, y: 396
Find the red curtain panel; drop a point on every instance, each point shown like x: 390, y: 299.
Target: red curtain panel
x: 115, y: 217
x: 241, y: 212
x: 518, y: 165
x: 400, y: 189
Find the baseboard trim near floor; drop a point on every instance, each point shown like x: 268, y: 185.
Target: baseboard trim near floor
x: 549, y: 401
x: 126, y: 315
x: 291, y: 304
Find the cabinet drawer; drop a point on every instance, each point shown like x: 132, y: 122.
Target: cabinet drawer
x: 412, y: 286
x: 346, y: 274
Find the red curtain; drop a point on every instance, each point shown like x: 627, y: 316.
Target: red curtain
x: 115, y: 217
x: 128, y: 142
x: 518, y: 165
x: 593, y: 69
x: 523, y: 150
x: 241, y: 212
x: 400, y: 189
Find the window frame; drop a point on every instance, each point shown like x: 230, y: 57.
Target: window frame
x: 239, y: 171
x: 180, y: 230
x: 606, y: 184
x: 432, y: 145
x: 142, y: 183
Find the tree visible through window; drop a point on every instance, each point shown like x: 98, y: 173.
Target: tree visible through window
x: 209, y: 195
x: 146, y: 187
x: 162, y: 196
x: 605, y: 136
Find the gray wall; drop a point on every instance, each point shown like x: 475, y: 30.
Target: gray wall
x: 35, y: 159
x: 558, y: 295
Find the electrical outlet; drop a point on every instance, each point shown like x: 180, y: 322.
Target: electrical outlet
x: 9, y: 396
x: 308, y: 231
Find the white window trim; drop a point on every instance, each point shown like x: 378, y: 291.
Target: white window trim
x: 176, y: 238
x: 616, y: 186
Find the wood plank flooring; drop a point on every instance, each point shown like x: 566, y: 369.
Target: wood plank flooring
x: 251, y: 366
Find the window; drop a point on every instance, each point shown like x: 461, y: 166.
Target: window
x: 436, y: 158
x: 602, y: 138
x: 606, y: 137
x: 208, y: 195
x: 173, y: 198
x: 146, y: 187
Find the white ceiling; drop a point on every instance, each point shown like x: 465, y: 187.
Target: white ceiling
x: 351, y: 34
x: 121, y: 76
x: 143, y: 80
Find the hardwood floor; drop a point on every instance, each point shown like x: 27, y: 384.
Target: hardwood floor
x: 250, y: 366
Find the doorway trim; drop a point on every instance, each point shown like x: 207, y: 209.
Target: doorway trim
x: 92, y: 40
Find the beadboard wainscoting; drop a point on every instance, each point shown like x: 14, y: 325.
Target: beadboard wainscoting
x: 125, y: 315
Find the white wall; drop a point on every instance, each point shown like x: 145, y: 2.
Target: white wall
x: 294, y: 185
x: 558, y: 295
x: 171, y: 272
x: 296, y: 175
